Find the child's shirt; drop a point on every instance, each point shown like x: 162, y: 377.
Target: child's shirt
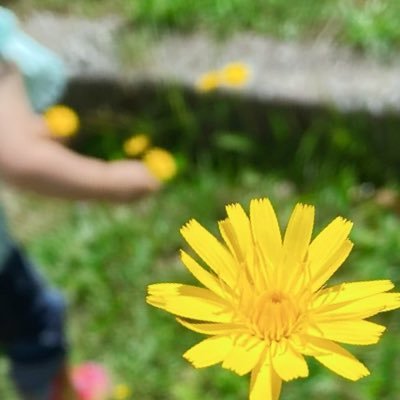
x: 43, y: 71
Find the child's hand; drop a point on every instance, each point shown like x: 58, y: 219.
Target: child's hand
x: 30, y: 160
x: 131, y: 180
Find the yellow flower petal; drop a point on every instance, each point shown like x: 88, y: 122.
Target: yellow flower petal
x: 136, y: 144
x: 161, y: 163
x: 211, y: 251
x: 178, y: 289
x: 287, y: 362
x: 62, y: 121
x: 328, y: 251
x: 243, y: 243
x: 235, y: 74
x: 196, y: 308
x: 336, y: 358
x: 298, y: 234
x: 332, y: 265
x: 204, y: 277
x: 121, y: 392
x: 245, y: 354
x: 266, y: 231
x: 248, y: 262
x: 208, y: 81
x: 189, y: 302
x: 295, y: 246
x: 265, y: 384
x: 209, y: 352
x: 214, y: 329
x: 158, y: 293
x: 231, y: 239
x: 345, y: 292
x: 350, y: 332
x: 359, y: 309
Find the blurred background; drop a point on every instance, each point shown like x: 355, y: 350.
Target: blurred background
x: 229, y: 147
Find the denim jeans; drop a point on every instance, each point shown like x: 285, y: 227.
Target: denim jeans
x: 31, y: 327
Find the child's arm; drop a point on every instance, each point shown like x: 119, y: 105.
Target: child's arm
x: 31, y: 160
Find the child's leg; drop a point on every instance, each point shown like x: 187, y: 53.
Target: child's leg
x: 34, y: 340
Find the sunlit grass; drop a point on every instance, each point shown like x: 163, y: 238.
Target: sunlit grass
x: 103, y: 256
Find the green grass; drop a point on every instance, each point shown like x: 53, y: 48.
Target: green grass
x: 373, y: 26
x: 103, y: 257
x: 228, y: 132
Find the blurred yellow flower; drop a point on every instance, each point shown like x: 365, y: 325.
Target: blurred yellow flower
x: 62, y: 121
x: 208, y: 81
x: 122, y: 392
x: 161, y: 163
x: 235, y: 74
x: 264, y: 304
x: 136, y: 145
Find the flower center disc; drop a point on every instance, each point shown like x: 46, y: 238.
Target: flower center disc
x: 274, y: 316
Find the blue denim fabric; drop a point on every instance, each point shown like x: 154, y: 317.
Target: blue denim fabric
x: 5, y: 240
x: 31, y: 327
x: 35, y: 381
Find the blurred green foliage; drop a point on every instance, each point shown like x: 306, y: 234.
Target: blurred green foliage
x: 103, y: 257
x: 309, y: 146
x: 372, y: 25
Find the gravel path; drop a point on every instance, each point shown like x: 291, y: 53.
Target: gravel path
x: 304, y: 74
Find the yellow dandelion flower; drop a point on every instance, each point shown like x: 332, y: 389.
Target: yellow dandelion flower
x: 62, y: 121
x: 208, y: 81
x: 263, y: 304
x: 136, y: 144
x: 235, y: 74
x: 122, y: 392
x: 161, y: 163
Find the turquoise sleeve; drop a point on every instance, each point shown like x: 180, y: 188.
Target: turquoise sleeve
x: 43, y: 71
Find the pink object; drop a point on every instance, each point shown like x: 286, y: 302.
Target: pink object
x: 91, y: 381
